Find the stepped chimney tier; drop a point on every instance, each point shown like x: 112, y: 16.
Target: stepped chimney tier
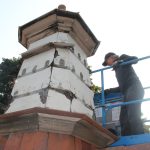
x: 54, y: 73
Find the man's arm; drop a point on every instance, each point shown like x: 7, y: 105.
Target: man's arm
x: 126, y: 58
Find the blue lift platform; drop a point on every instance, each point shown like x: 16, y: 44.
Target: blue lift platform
x: 109, y: 102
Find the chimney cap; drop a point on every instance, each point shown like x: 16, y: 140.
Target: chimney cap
x: 62, y: 7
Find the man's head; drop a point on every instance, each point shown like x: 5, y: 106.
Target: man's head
x: 110, y: 58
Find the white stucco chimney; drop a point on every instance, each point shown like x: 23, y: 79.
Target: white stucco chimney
x: 54, y: 73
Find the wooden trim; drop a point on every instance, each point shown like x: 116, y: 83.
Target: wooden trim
x: 45, y: 47
x: 36, y: 27
x: 80, y: 43
x: 53, y: 22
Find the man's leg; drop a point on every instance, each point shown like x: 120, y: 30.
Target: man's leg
x: 134, y: 119
x: 125, y: 130
x: 134, y: 110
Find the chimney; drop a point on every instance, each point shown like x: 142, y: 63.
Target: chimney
x: 54, y: 73
x: 52, y: 102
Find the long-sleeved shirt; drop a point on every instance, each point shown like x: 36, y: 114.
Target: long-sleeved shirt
x: 125, y: 74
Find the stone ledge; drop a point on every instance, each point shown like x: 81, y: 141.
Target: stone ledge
x: 54, y: 121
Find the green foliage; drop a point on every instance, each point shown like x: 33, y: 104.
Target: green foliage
x: 94, y: 87
x: 9, y: 69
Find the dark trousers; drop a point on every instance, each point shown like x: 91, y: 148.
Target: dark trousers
x: 130, y: 115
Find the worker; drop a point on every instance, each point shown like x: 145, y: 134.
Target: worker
x: 131, y: 89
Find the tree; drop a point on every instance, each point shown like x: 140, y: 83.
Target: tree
x: 9, y: 69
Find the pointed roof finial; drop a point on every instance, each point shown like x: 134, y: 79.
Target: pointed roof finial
x: 62, y: 7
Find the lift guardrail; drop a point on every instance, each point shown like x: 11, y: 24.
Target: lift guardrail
x: 103, y: 103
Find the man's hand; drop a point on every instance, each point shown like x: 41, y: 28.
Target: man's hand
x: 117, y: 63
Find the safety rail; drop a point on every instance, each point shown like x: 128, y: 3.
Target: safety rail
x: 105, y: 106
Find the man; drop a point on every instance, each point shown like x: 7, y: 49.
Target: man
x: 131, y: 88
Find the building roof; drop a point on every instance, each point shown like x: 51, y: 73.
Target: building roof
x: 60, y: 20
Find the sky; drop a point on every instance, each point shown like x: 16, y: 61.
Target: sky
x: 122, y: 26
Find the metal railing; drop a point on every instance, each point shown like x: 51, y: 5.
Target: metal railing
x: 105, y: 106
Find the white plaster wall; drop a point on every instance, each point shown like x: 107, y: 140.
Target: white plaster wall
x: 72, y: 61
x: 62, y: 54
x: 57, y: 101
x: 59, y: 78
x: 38, y: 60
x: 59, y: 37
x: 69, y: 58
x: 56, y: 37
x: 77, y: 48
x: 32, y: 82
x: 81, y: 90
x: 79, y: 107
x: 65, y: 79
x: 79, y: 68
x: 27, y: 102
x: 54, y: 100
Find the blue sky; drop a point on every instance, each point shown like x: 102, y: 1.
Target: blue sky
x: 121, y: 26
